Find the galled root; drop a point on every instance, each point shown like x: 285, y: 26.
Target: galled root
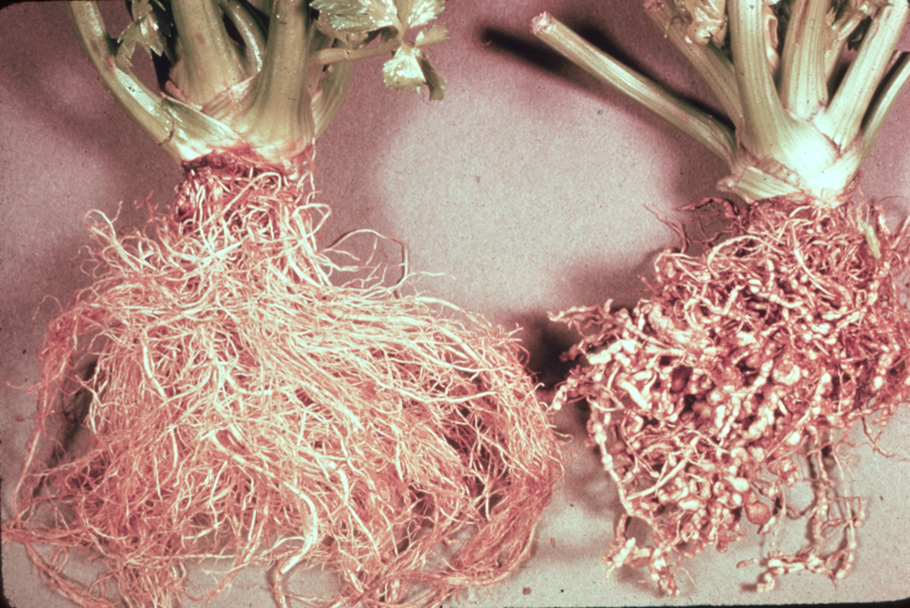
x: 243, y: 408
x: 746, y: 362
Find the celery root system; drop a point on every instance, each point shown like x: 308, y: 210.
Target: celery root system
x: 242, y: 406
x: 742, y: 373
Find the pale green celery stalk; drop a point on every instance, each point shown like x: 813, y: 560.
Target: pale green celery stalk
x: 713, y: 65
x: 840, y: 33
x: 792, y: 138
x: 182, y: 131
x: 768, y: 130
x: 250, y: 31
x: 327, y: 102
x: 336, y: 54
x: 803, y: 83
x: 843, y: 117
x: 697, y: 124
x: 278, y: 118
x: 209, y: 61
x: 266, y: 95
x: 897, y: 79
x: 328, y: 92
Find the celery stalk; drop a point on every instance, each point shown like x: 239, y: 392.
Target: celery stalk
x: 842, y: 119
x: 182, y: 131
x: 278, y: 119
x: 700, y: 126
x: 209, y: 61
x: 796, y: 132
x: 803, y: 86
x: 269, y: 91
x: 713, y: 65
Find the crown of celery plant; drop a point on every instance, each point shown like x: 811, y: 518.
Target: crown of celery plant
x: 265, y: 77
x: 795, y: 124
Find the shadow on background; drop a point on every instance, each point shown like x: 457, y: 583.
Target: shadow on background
x: 698, y: 167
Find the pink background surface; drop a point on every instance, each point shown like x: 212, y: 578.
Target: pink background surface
x: 526, y: 190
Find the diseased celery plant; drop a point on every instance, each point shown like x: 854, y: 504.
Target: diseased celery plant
x: 760, y: 353
x: 244, y: 403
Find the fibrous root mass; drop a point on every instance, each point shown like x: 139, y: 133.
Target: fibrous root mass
x: 245, y: 405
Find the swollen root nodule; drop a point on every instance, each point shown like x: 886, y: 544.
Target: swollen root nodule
x: 747, y: 365
x: 243, y: 407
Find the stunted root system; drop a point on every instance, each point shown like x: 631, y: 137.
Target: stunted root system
x: 741, y: 373
x: 241, y: 408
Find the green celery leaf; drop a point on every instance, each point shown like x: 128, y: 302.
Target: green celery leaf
x: 127, y: 45
x: 147, y: 29
x: 415, y: 13
x: 410, y: 69
x: 357, y: 15
x: 707, y: 21
x: 403, y: 70
x: 438, y: 33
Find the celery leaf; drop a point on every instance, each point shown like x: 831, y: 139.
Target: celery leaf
x: 437, y: 33
x: 403, y: 70
x: 147, y: 29
x: 707, y: 21
x: 410, y: 69
x: 415, y: 13
x: 357, y: 15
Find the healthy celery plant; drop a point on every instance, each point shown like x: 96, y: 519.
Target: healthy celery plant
x: 244, y: 401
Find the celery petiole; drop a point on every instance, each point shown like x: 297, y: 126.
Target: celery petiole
x: 234, y: 86
x: 796, y: 134
x: 896, y: 81
x: 278, y: 119
x: 177, y: 128
x: 713, y: 65
x: 803, y: 85
x: 843, y: 117
x: 209, y: 62
x: 700, y: 126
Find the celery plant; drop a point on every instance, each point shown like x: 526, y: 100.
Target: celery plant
x: 248, y: 396
x: 758, y: 354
